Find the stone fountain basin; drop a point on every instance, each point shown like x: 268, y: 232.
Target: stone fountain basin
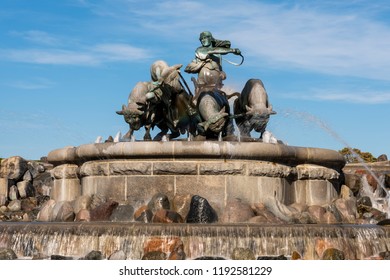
x: 132, y: 172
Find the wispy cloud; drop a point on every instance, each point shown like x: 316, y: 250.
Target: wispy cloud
x: 92, y: 56
x: 32, y: 84
x: 38, y: 37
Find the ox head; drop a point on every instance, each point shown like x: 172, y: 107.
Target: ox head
x: 133, y: 115
x: 258, y: 117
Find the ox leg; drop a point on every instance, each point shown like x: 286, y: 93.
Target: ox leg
x: 147, y: 136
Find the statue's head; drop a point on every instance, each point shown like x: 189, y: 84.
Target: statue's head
x: 206, y: 38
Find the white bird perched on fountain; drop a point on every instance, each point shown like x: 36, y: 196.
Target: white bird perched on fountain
x: 118, y: 137
x: 98, y: 140
x: 268, y: 137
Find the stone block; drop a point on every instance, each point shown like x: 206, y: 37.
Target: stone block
x: 25, y: 189
x: 65, y: 171
x: 270, y: 169
x: 222, y: 168
x: 111, y: 187
x: 314, y: 192
x: 256, y: 189
x: 95, y: 168
x: 66, y: 189
x: 130, y: 168
x: 4, y: 186
x: 175, y: 168
x: 140, y: 189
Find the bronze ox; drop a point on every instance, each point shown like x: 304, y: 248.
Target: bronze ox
x: 252, y: 108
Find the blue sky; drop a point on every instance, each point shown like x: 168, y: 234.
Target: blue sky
x: 67, y: 66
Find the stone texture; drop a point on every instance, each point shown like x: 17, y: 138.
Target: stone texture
x: 95, y: 168
x: 7, y: 254
x: 177, y: 168
x: 129, y: 168
x: 270, y: 169
x: 222, y: 168
x: 242, y: 254
x: 311, y: 171
x: 15, y: 205
x: 112, y: 187
x: 181, y: 204
x: 46, y: 212
x: 82, y: 202
x: 65, y: 171
x: 314, y: 192
x: 237, y: 211
x: 65, y: 212
x: 13, y: 168
x: 122, y: 213
x: 66, y: 189
x: 25, y: 189
x: 117, y: 255
x: 4, y: 185
x: 159, y: 201
x: 167, y: 217
x: 201, y: 211
x: 333, y: 254
x: 83, y: 216
x: 143, y: 214
x: 103, y: 211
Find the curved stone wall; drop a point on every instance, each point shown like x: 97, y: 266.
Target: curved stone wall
x: 133, y: 172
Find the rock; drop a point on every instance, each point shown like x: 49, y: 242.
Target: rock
x: 347, y: 209
x: 97, y: 200
x: 65, y: 213
x: 60, y: 257
x: 27, y: 176
x: 83, y: 216
x: 122, y: 213
x: 209, y: 258
x: 143, y: 214
x: 264, y: 216
x: 159, y: 201
x: 333, y: 254
x: 154, y: 256
x: 317, y: 212
x: 13, y: 193
x: 242, y: 254
x: 167, y: 245
x: 280, y: 257
x: 336, y: 213
x: 201, y: 211
x: 237, y: 211
x: 13, y: 168
x: 117, y: 255
x: 167, y: 216
x: 29, y: 204
x: 346, y: 192
x: 82, y: 202
x: 384, y: 222
x: 280, y: 210
x: 353, y: 181
x: 93, y: 255
x: 382, y: 157
x: 25, y: 189
x: 329, y: 218
x: 45, y: 215
x: 15, y: 205
x: 296, y: 256
x: 103, y: 211
x: 181, y: 204
x: 385, y: 255
x: 7, y: 254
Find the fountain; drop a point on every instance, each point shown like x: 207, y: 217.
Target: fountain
x: 212, y: 168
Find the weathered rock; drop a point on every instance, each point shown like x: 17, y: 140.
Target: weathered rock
x: 7, y: 254
x: 27, y: 176
x: 97, y: 200
x: 347, y: 209
x: 264, y: 216
x: 82, y: 202
x: 296, y: 256
x: 143, y: 214
x: 93, y: 255
x: 83, y: 216
x: 65, y: 212
x: 385, y: 255
x: 237, y: 211
x: 353, y: 181
x: 103, y: 211
x: 181, y: 204
x: 280, y: 210
x: 329, y: 218
x: 46, y: 213
x: 242, y: 254
x: 25, y: 189
x: 13, y: 168
x: 167, y: 216
x: 167, y: 245
x: 43, y: 183
x: 382, y: 157
x: 15, y: 205
x: 60, y: 257
x: 122, y: 213
x: 346, y: 192
x: 317, y: 212
x: 154, y: 256
x: 117, y: 255
x: 209, y: 258
x: 201, y: 211
x: 333, y: 254
x: 65, y: 171
x: 159, y: 201
x: 13, y: 193
x: 280, y: 257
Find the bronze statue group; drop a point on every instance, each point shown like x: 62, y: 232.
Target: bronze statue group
x: 166, y: 102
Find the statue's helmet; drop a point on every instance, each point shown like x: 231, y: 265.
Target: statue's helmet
x: 206, y: 34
